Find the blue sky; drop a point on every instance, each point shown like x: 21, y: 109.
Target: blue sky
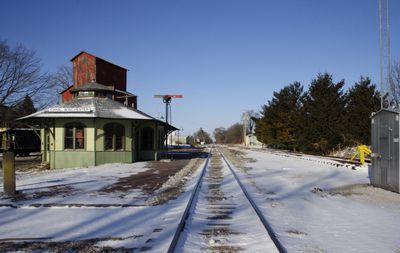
x: 223, y: 56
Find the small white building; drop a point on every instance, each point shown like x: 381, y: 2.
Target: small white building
x: 251, y: 140
x: 176, y: 138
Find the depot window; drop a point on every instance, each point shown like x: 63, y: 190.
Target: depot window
x: 74, y: 136
x: 114, y: 136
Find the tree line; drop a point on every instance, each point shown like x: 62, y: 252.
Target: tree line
x: 318, y: 120
x: 199, y: 137
x: 321, y: 119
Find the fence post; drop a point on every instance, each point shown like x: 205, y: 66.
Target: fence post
x: 9, y: 173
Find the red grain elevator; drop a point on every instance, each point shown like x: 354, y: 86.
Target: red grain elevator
x: 89, y: 68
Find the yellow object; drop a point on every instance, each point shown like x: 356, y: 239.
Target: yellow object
x: 362, y: 150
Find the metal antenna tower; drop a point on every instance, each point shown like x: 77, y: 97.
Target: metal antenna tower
x: 388, y: 91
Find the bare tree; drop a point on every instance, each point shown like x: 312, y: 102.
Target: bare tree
x: 248, y: 117
x: 219, y: 135
x: 234, y: 134
x: 394, y: 81
x: 62, y: 79
x: 20, y: 75
x: 202, y: 136
x: 59, y: 81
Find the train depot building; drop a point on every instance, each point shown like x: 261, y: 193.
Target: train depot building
x: 98, y: 123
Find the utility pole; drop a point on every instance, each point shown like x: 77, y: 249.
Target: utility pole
x: 245, y: 119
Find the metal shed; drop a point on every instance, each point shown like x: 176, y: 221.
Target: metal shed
x: 385, y: 148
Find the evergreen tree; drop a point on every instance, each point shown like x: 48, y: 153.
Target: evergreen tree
x: 361, y: 100
x: 8, y: 115
x: 321, y: 124
x: 5, y: 116
x: 278, y: 125
x: 25, y: 107
x: 261, y: 128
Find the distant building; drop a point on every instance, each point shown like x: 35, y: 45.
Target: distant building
x: 176, y: 139
x: 93, y: 126
x: 251, y: 140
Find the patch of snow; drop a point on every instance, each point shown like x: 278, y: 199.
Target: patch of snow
x: 127, y: 113
x: 141, y: 227
x: 83, y: 182
x: 306, y: 220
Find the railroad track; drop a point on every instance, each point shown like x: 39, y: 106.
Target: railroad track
x: 221, y: 216
x: 329, y: 160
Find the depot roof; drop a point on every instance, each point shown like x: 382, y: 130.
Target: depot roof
x: 93, y: 107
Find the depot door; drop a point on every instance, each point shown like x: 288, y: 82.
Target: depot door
x: 47, y: 145
x: 386, y: 147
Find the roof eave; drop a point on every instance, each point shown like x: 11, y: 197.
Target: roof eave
x: 66, y: 89
x: 81, y: 52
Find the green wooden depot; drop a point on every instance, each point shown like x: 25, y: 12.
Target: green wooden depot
x: 93, y: 129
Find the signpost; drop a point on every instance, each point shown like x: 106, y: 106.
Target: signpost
x: 167, y: 100
x: 9, y: 173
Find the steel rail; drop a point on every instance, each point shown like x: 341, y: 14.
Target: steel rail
x: 327, y: 157
x: 260, y: 215
x: 186, y: 213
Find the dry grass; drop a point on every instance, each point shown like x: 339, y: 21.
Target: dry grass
x: 175, y: 185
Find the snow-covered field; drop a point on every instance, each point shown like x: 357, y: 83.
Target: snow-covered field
x: 80, y: 211
x: 77, y: 186
x: 315, y: 207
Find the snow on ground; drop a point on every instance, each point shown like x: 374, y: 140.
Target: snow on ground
x: 316, y: 207
x: 223, y: 220
x: 77, y: 186
x: 74, y: 216
x: 312, y: 205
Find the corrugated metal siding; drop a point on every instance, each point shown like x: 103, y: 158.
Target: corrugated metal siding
x: 84, y: 69
x: 110, y: 74
x: 385, y: 146
x: 66, y: 94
